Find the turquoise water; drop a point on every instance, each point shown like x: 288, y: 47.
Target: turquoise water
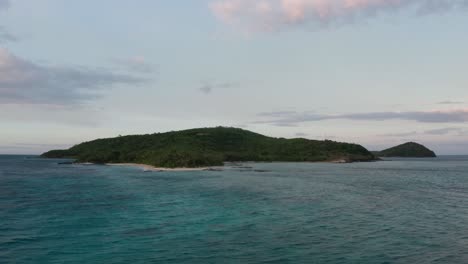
x: 402, y: 211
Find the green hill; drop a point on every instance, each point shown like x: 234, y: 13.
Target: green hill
x: 408, y: 150
x: 208, y: 147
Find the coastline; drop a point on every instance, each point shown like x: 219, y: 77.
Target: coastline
x: 146, y: 167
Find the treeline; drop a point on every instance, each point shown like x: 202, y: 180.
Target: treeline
x: 208, y: 147
x: 408, y: 150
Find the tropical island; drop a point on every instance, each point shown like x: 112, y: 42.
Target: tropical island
x: 204, y: 147
x: 407, y: 150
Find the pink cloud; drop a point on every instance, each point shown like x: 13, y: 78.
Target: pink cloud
x: 228, y: 10
x: 283, y: 13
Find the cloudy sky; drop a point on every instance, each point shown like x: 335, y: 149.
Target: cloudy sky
x: 373, y: 72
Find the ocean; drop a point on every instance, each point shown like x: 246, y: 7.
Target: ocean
x: 393, y: 211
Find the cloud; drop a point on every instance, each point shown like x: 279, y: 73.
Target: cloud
x: 5, y: 36
x: 454, y: 131
x: 25, y: 82
x: 299, y: 134
x: 136, y: 64
x: 446, y: 131
x: 277, y: 114
x: 450, y: 102
x: 403, y: 134
x: 52, y: 114
x: 207, y: 88
x: 439, y: 116
x: 4, y: 4
x: 277, y: 14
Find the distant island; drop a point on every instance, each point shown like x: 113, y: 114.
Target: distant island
x: 203, y: 147
x: 407, y: 150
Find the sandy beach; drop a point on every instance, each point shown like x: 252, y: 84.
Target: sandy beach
x: 152, y: 168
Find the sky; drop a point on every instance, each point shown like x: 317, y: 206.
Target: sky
x: 372, y: 72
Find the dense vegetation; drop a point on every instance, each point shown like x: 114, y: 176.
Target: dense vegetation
x: 208, y: 147
x: 410, y: 149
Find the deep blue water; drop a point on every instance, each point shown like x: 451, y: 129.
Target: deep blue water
x: 401, y: 211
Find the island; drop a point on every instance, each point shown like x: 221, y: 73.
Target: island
x: 204, y: 147
x: 407, y: 150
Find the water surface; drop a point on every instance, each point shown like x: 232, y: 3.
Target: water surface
x: 399, y: 211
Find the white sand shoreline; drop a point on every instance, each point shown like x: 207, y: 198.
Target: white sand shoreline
x: 152, y: 168
x: 146, y: 167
